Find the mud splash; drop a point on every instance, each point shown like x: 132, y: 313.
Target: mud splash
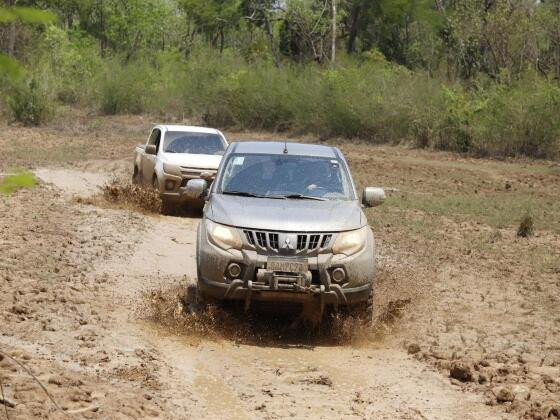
x: 165, y: 307
x: 124, y: 194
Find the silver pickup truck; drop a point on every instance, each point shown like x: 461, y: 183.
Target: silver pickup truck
x: 284, y: 223
x: 173, y: 155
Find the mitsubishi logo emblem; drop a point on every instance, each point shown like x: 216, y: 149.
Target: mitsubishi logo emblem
x: 288, y: 244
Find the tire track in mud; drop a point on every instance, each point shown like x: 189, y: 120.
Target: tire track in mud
x: 220, y: 378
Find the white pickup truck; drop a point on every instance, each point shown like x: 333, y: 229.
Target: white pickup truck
x: 172, y: 156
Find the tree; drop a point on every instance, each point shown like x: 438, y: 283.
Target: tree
x: 262, y: 13
x: 308, y: 27
x: 213, y: 18
x: 8, y: 65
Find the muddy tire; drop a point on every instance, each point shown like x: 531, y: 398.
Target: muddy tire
x: 167, y: 208
x: 190, y: 295
x: 204, y: 300
x: 136, y: 176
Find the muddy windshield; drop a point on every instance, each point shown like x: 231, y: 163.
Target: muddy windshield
x: 286, y: 176
x: 195, y: 143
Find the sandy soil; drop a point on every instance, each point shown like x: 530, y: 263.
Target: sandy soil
x: 479, y: 335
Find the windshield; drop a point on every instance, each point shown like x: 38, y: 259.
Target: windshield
x: 195, y: 143
x: 286, y: 176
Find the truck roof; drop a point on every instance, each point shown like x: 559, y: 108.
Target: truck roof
x: 277, y: 148
x: 187, y: 128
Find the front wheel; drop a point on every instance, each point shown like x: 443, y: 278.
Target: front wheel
x: 136, y: 176
x: 167, y: 207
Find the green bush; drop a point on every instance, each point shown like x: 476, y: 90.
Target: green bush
x: 125, y: 88
x: 74, y: 61
x: 367, y: 98
x: 518, y: 120
x: 373, y: 101
x: 30, y: 101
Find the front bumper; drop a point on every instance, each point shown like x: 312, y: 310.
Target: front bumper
x: 172, y: 189
x: 256, y: 283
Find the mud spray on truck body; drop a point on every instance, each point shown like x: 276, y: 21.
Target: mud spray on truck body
x: 174, y: 154
x: 283, y: 223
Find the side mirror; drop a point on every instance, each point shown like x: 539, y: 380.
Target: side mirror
x: 195, y: 188
x: 373, y: 197
x: 151, y: 149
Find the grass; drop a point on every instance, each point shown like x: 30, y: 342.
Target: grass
x: 19, y: 179
x: 497, y: 210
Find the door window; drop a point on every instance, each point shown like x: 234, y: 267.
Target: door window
x: 155, y: 138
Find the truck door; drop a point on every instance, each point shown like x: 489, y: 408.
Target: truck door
x: 149, y: 161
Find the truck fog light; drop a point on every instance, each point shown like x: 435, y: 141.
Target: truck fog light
x: 234, y: 270
x: 338, y: 275
x: 169, y: 185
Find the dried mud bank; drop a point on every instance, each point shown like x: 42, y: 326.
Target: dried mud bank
x: 58, y: 316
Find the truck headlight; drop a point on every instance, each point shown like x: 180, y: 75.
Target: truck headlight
x: 351, y: 242
x: 223, y: 236
x: 171, y: 169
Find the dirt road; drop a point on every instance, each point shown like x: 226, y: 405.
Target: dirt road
x: 94, y: 350
x: 469, y: 310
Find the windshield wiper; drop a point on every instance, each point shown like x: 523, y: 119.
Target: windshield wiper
x: 249, y: 194
x: 304, y: 197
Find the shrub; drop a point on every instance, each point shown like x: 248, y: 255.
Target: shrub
x: 125, y: 88
x: 502, y: 120
x: 525, y: 227
x: 30, y: 101
x: 74, y: 58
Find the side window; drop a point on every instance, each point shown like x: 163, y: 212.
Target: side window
x: 155, y: 138
x: 158, y: 140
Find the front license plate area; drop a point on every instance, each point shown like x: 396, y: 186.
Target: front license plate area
x: 288, y: 265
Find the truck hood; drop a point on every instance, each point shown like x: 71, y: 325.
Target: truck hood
x: 285, y: 215
x: 193, y: 161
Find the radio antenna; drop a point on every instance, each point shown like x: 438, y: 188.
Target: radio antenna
x: 285, y: 147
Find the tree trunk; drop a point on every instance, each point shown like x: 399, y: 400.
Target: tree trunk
x: 12, y: 34
x: 270, y: 34
x: 353, y: 33
x: 103, y: 40
x: 12, y: 39
x: 333, y: 35
x: 558, y: 39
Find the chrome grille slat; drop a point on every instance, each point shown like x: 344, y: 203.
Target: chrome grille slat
x: 249, y: 236
x: 313, y: 241
x: 301, y: 242
x: 261, y: 239
x: 273, y: 240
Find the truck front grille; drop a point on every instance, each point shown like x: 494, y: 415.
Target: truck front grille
x: 190, y: 173
x: 270, y: 241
